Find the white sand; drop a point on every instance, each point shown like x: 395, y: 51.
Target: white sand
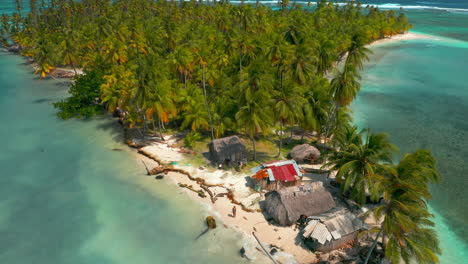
x: 244, y: 222
x: 401, y: 37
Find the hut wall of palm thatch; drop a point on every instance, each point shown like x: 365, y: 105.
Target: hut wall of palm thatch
x: 228, y: 150
x: 287, y: 205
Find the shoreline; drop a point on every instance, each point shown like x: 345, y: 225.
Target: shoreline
x: 246, y: 222
x: 401, y: 37
x: 283, y: 238
x: 286, y: 240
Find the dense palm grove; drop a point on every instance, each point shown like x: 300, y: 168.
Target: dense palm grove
x: 216, y: 69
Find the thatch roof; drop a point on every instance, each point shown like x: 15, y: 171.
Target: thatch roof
x: 288, y: 204
x: 304, y: 152
x: 228, y: 148
x: 333, y: 227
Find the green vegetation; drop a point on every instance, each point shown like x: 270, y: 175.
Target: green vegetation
x: 217, y: 69
x: 214, y: 68
x: 85, y: 97
x: 364, y: 169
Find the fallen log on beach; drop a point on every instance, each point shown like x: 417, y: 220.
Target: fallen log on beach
x: 165, y: 169
x: 190, y: 187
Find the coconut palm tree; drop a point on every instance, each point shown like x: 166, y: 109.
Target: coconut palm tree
x: 345, y: 86
x: 406, y: 227
x: 359, y: 165
x: 254, y: 117
x: 287, y: 109
x: 357, y: 51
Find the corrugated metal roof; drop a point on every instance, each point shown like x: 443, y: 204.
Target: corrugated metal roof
x: 321, y: 233
x: 332, y: 225
x: 280, y: 170
x: 270, y: 175
x: 254, y: 170
x: 284, y: 172
x: 298, y: 170
x: 310, y: 227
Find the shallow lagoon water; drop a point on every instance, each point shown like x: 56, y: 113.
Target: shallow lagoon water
x: 417, y: 91
x: 66, y: 197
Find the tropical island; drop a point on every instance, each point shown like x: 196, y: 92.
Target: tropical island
x: 246, y: 85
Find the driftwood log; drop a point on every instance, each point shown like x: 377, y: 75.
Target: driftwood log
x: 164, y: 169
x: 190, y: 187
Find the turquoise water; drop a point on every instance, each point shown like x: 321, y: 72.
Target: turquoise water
x: 417, y: 90
x: 66, y: 197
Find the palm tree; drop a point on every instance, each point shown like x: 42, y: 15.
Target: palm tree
x: 69, y: 53
x: 303, y: 64
x: 343, y: 89
x: 254, y: 117
x: 359, y: 165
x: 357, y: 51
x: 254, y: 114
x: 345, y: 85
x: 325, y: 57
x: 406, y: 227
x: 194, y: 113
x: 287, y: 109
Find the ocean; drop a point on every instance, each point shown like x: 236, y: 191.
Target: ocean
x: 66, y: 197
x: 416, y: 90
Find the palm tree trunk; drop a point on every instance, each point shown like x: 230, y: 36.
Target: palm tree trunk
x: 74, y: 68
x: 144, y: 125
x: 373, y: 245
x: 254, y: 148
x: 152, y: 123
x: 160, y: 129
x: 280, y: 139
x: 240, y: 66
x: 207, y: 105
x: 290, y: 136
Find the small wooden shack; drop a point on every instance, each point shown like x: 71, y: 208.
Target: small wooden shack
x: 287, y: 205
x: 228, y: 150
x: 276, y: 175
x: 305, y: 153
x: 332, y: 230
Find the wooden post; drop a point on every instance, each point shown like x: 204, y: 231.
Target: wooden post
x: 266, y: 252
x: 147, y: 170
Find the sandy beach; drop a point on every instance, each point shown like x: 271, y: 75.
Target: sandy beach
x: 287, y: 239
x: 401, y: 37
x: 284, y: 238
x: 246, y: 221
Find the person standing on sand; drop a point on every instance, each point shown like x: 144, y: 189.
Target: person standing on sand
x: 234, y: 210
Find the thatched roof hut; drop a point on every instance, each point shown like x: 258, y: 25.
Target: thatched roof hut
x: 331, y: 230
x: 304, y: 153
x: 288, y: 204
x: 227, y: 150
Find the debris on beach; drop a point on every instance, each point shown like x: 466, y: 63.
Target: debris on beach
x: 211, y: 224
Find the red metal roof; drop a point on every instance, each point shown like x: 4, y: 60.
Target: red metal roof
x: 285, y: 172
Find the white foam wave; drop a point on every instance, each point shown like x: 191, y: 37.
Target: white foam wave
x: 398, y: 6
x: 382, y: 6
